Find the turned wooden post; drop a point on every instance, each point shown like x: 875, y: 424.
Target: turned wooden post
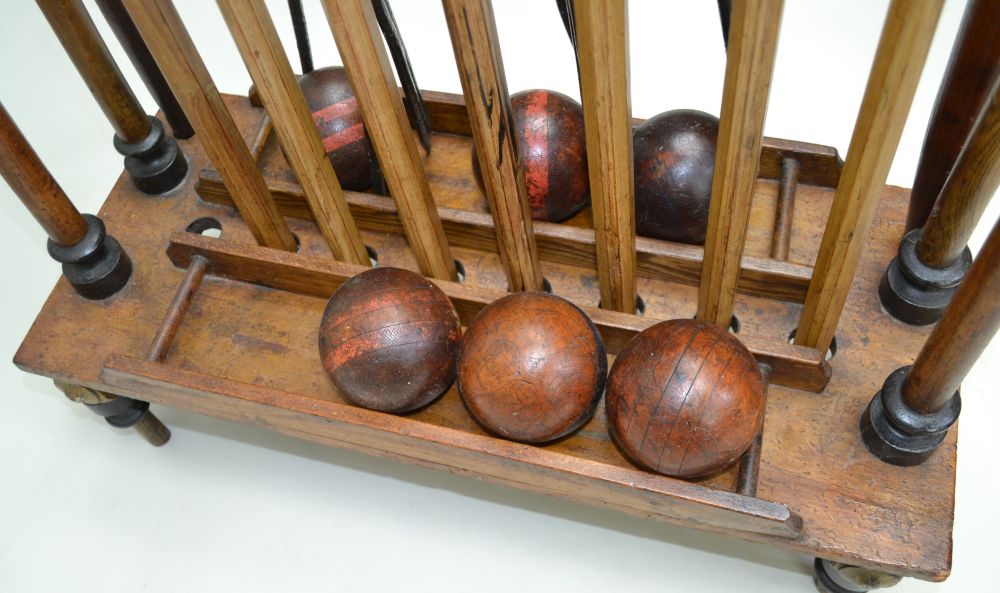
x: 360, y: 43
x: 152, y: 159
x: 93, y: 261
x: 480, y: 67
x: 602, y: 37
x: 932, y: 261
x: 973, y: 68
x: 124, y: 29
x: 899, y: 58
x: 184, y: 69
x: 907, y: 420
x: 753, y: 43
x: 784, y: 210
x: 257, y: 39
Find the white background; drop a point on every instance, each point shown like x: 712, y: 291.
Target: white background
x: 226, y: 507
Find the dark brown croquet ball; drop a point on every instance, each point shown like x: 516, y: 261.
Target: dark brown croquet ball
x: 531, y: 367
x: 685, y: 398
x: 335, y: 112
x: 553, y: 150
x: 388, y: 340
x: 674, y: 155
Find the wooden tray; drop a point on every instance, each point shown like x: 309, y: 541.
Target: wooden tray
x: 246, y: 351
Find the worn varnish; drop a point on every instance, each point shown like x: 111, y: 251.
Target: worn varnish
x: 388, y: 340
x: 532, y: 367
x: 823, y: 476
x: 685, y: 398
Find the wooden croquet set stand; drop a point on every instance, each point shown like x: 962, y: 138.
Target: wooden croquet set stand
x: 155, y: 310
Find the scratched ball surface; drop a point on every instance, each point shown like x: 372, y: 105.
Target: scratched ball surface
x: 674, y: 154
x: 531, y: 367
x: 389, y: 339
x: 335, y: 112
x: 685, y: 398
x: 553, y: 150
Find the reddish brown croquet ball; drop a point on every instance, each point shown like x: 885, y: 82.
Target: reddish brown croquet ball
x: 388, y: 340
x: 685, y: 398
x: 531, y: 367
x: 674, y: 154
x: 335, y: 112
x: 553, y: 150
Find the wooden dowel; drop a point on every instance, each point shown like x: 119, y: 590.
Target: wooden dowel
x: 967, y: 192
x: 602, y: 52
x: 360, y: 43
x: 753, y: 39
x: 79, y: 37
x: 781, y: 238
x: 899, y: 58
x: 480, y: 67
x: 170, y: 44
x: 178, y: 308
x: 124, y: 29
x: 258, y: 42
x: 972, y: 70
x: 965, y: 329
x: 38, y: 190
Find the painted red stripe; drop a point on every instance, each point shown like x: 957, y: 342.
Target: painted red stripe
x: 536, y: 136
x: 335, y: 111
x: 343, y: 137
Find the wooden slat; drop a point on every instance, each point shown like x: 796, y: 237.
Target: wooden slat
x: 899, y: 58
x: 360, y: 43
x: 753, y: 40
x: 477, y: 53
x: 629, y: 490
x: 556, y: 243
x: 39, y: 191
x: 257, y: 39
x: 170, y: 44
x: 792, y: 366
x: 602, y: 52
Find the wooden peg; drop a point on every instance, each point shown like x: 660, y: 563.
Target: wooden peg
x: 908, y: 419
x: 152, y: 159
x: 257, y: 39
x: 93, y: 261
x: 480, y: 67
x: 124, y: 29
x: 899, y: 58
x: 360, y: 43
x: 973, y: 68
x: 752, y: 46
x: 932, y: 261
x: 170, y: 44
x: 781, y: 238
x: 602, y: 52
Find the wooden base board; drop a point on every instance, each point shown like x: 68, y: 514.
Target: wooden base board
x: 248, y: 342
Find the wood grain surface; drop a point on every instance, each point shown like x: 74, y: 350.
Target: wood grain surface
x: 251, y: 27
x: 902, y: 48
x: 484, y: 84
x: 602, y: 56
x: 752, y: 45
x: 360, y: 44
x: 853, y: 507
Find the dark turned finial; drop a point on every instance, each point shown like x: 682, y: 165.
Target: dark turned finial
x: 93, y: 261
x: 934, y: 259
x: 908, y: 419
x: 152, y: 158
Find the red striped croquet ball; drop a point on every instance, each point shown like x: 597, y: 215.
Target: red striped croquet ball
x: 389, y: 340
x: 335, y: 112
x: 553, y: 149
